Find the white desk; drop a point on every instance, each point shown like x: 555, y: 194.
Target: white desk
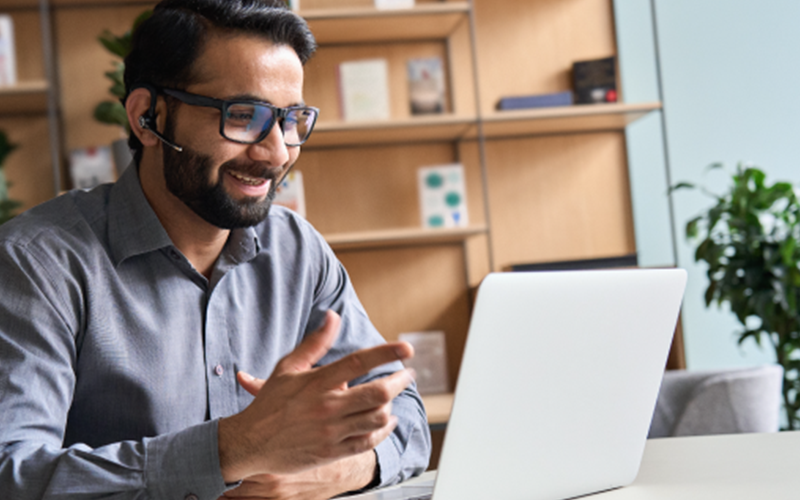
x: 733, y: 467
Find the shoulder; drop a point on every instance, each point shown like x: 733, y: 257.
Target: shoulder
x: 291, y: 243
x: 70, y: 221
x: 282, y: 218
x: 285, y: 228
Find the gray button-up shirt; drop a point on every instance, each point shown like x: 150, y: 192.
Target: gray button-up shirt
x: 117, y: 358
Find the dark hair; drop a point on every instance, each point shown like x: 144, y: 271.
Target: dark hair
x: 166, y: 45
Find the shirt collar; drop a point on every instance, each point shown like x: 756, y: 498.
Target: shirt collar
x: 134, y: 228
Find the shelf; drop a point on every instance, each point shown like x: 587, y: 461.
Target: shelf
x: 444, y: 127
x: 524, y: 122
x: 438, y: 407
x: 353, y: 25
x: 23, y: 98
x: 576, y: 118
x: 19, y: 4
x: 395, y: 237
x: 100, y: 3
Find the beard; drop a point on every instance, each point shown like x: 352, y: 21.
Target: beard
x: 187, y: 175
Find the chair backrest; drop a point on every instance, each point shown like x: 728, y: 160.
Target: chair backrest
x: 692, y: 403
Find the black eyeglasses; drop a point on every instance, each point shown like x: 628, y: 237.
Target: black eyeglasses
x: 249, y: 122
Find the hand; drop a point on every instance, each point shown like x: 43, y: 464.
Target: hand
x: 305, y: 417
x: 321, y: 483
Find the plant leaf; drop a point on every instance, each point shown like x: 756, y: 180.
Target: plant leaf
x: 112, y: 113
x: 680, y: 185
x: 113, y: 44
x: 691, y: 227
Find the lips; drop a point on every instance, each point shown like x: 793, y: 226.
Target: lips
x: 246, y: 179
x: 248, y: 185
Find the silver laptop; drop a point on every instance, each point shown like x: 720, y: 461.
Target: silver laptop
x: 557, y: 386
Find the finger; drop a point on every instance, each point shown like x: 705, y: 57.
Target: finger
x: 313, y: 348
x: 250, y: 383
x: 365, y: 442
x: 361, y: 362
x: 367, y: 422
x: 375, y: 394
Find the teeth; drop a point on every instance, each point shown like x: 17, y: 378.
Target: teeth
x: 247, y: 180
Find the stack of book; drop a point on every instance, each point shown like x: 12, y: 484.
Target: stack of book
x: 536, y: 101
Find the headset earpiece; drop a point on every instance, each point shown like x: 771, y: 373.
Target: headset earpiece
x: 147, y: 123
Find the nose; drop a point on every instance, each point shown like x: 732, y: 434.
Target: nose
x: 272, y: 149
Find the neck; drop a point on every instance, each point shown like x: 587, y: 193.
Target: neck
x: 199, y: 241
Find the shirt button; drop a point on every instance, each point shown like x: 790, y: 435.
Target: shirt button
x: 174, y: 254
x: 191, y: 496
x: 219, y: 370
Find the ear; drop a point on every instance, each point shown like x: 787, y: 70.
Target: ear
x: 137, y: 105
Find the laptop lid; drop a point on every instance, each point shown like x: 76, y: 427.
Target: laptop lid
x: 557, y: 386
x: 558, y: 383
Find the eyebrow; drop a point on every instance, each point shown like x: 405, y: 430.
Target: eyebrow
x: 251, y: 97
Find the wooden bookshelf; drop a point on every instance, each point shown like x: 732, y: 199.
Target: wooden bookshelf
x: 567, y: 119
x: 438, y: 408
x: 401, y: 237
x: 422, y: 128
x: 27, y: 97
x: 542, y: 184
x: 515, y: 123
x: 367, y: 24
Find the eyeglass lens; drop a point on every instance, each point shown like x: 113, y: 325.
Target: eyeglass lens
x: 247, y: 122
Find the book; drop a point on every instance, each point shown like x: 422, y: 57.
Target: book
x: 442, y: 196
x: 290, y: 193
x: 429, y: 361
x: 90, y: 167
x: 294, y: 5
x: 426, y: 85
x: 393, y: 4
x: 8, y: 52
x: 595, y: 81
x: 536, y: 101
x: 364, y: 90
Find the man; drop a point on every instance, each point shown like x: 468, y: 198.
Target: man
x: 172, y: 337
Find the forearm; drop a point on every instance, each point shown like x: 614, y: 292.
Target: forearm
x: 168, y: 466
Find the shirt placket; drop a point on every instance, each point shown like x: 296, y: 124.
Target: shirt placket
x: 220, y: 370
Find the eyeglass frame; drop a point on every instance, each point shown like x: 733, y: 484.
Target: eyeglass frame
x: 223, y: 104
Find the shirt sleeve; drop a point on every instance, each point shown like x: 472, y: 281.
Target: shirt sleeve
x: 39, y: 325
x: 406, y: 452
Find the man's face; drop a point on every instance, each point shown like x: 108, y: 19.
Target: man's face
x: 232, y: 185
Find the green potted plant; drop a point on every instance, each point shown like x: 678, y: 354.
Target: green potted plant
x: 750, y: 240
x: 113, y: 112
x: 7, y: 205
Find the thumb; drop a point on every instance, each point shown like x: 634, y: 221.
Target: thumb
x: 313, y: 348
x: 249, y: 382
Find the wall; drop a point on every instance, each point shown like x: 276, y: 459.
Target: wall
x: 728, y: 81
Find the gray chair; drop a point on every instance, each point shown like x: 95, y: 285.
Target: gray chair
x: 692, y: 403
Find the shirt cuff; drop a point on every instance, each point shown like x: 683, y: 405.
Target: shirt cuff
x: 185, y: 464
x: 388, y: 461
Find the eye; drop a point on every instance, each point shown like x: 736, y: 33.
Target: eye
x: 290, y: 120
x: 240, y: 115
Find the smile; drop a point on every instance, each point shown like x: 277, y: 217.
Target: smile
x: 250, y: 181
